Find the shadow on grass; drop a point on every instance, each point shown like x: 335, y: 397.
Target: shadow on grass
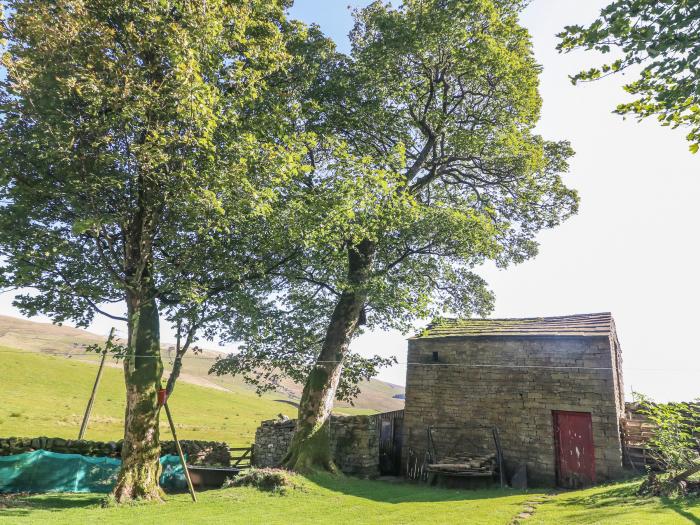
x: 680, y: 506
x: 288, y: 402
x: 619, y: 497
x: 19, y: 505
x: 404, y: 492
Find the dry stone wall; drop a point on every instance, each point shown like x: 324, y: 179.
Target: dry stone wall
x: 197, y: 452
x: 354, y: 441
x: 272, y: 440
x: 518, y: 401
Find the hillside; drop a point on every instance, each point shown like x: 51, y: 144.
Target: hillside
x: 46, y: 395
x: 376, y: 396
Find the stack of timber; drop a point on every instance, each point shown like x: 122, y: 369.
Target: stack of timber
x: 636, y: 434
x: 638, y: 431
x: 465, y: 466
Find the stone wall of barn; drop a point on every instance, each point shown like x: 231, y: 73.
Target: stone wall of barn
x: 464, y: 402
x: 354, y: 441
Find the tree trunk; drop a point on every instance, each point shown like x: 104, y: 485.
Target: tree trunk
x: 140, y: 470
x: 682, y: 476
x: 310, y: 447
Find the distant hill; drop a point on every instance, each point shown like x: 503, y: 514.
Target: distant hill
x: 44, y: 395
x: 31, y: 336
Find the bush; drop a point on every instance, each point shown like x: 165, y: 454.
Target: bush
x: 674, y: 445
x: 267, y: 479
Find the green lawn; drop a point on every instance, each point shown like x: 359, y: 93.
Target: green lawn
x: 46, y: 396
x: 615, y: 504
x: 342, y: 500
x: 324, y: 500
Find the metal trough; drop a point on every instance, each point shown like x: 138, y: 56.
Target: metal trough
x: 210, y: 477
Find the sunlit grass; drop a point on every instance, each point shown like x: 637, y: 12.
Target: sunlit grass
x: 46, y: 396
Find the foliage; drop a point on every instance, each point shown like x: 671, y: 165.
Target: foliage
x: 266, y: 479
x: 674, y: 446
x: 675, y: 442
x: 128, y: 165
x: 426, y: 151
x: 136, y: 169
x: 110, y: 347
x: 658, y: 40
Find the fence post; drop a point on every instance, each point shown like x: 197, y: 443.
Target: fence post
x: 91, y: 401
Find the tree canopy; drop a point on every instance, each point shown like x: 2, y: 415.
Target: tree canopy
x: 136, y: 168
x: 425, y: 146
x: 658, y: 41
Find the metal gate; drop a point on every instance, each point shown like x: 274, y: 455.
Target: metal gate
x: 573, y: 438
x: 390, y: 442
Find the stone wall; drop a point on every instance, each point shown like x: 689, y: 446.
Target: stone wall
x: 355, y: 445
x: 272, y: 439
x: 197, y: 452
x: 518, y: 401
x: 354, y: 441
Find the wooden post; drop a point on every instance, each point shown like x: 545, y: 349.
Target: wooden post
x: 179, y: 452
x: 499, y: 456
x: 91, y: 401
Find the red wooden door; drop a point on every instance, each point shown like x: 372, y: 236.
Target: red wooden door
x: 573, y: 438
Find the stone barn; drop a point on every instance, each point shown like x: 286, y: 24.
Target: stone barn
x: 551, y: 386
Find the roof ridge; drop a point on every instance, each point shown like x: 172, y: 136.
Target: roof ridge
x: 524, y: 318
x: 589, y: 324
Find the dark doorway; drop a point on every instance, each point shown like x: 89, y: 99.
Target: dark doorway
x: 390, y: 442
x: 573, y: 441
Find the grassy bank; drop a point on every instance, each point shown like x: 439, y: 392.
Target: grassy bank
x: 46, y: 395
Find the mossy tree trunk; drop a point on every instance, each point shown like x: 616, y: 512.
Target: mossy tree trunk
x: 140, y: 470
x: 310, y: 447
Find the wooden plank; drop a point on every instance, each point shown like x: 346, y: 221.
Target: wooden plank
x: 179, y: 453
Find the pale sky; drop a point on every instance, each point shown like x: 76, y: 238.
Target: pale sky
x: 630, y: 249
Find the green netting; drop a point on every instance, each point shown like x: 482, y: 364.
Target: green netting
x: 44, y: 471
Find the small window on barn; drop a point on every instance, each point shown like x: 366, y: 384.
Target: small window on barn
x: 436, y: 358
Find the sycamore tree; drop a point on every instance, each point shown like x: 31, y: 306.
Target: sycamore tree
x: 425, y: 148
x: 134, y: 170
x: 658, y: 41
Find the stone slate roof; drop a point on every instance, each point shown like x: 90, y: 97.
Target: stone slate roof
x: 582, y: 325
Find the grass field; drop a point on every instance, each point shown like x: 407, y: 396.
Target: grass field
x: 325, y: 499
x: 23, y: 334
x: 46, y: 396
